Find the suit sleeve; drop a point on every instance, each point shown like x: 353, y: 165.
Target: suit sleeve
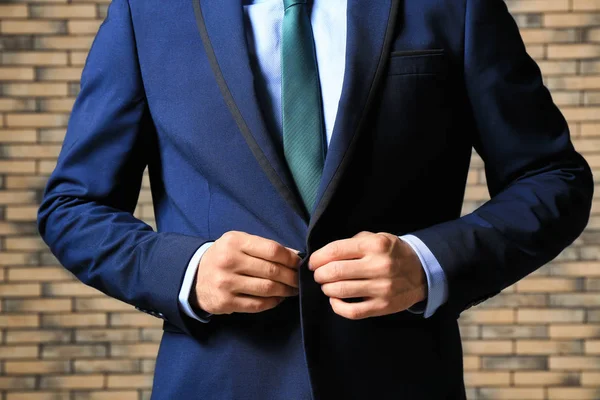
x: 86, y: 213
x: 540, y: 187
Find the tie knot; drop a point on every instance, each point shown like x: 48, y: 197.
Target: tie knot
x: 289, y: 3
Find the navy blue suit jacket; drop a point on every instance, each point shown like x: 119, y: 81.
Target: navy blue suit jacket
x: 168, y: 85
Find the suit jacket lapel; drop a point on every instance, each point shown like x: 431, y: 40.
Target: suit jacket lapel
x: 370, y: 27
x: 221, y: 27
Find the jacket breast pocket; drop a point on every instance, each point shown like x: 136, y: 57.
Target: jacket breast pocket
x: 415, y: 107
x: 418, y: 62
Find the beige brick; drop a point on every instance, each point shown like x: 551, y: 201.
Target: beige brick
x: 107, y: 335
x: 121, y: 365
x: 21, y: 213
x: 567, y: 98
x: 575, y: 331
x: 103, y: 304
x: 134, y: 350
x: 18, y: 352
x: 31, y: 151
x: 19, y: 321
x: 36, y: 367
x: 17, y: 382
x: 586, y: 5
x: 592, y: 346
x: 575, y: 300
x: 533, y: 6
x: 513, y: 331
x: 74, y: 320
x: 557, y: 67
x: 574, y: 363
x: 46, y: 166
x: 38, y: 395
x: 496, y: 316
x: 543, y: 36
x: 35, y: 120
x: 487, y: 346
x: 129, y: 381
x: 578, y: 51
x: 22, y: 27
x: 57, y: 105
x: 72, y: 382
x: 63, y: 42
x: 19, y: 289
x: 576, y: 269
x: 566, y: 20
x: 573, y: 82
x: 514, y: 362
x: 68, y: 289
x: 77, y: 57
x: 548, y: 285
x: 107, y: 395
x: 17, y: 166
x: 543, y: 378
x: 534, y: 347
x: 83, y: 26
x: 13, y: 11
x: 573, y: 393
x: 133, y: 319
x: 31, y: 243
x: 512, y: 393
x: 16, y: 74
x: 62, y: 351
x: 581, y: 113
x: 17, y: 258
x: 590, y: 67
x: 590, y: 378
x: 38, y: 336
x: 51, y: 135
x: 59, y: 73
x: 594, y: 35
x: 549, y: 315
x: 35, y: 89
x: 17, y: 135
x: 34, y: 58
x: 37, y: 305
x: 63, y: 11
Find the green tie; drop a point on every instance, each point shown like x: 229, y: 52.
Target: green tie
x: 303, y: 140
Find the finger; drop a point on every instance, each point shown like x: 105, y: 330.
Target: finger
x: 251, y: 304
x: 294, y: 250
x: 359, y: 310
x: 262, y: 287
x: 344, y: 270
x: 349, y: 289
x: 343, y: 249
x: 362, y: 234
x: 259, y: 268
x: 270, y: 250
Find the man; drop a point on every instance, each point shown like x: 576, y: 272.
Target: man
x: 307, y: 165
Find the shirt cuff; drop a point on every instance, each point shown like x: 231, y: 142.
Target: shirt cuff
x: 437, y: 285
x: 188, y: 281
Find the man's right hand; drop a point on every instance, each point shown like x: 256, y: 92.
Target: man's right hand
x: 245, y: 273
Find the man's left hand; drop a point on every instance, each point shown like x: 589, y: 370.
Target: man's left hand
x: 379, y: 267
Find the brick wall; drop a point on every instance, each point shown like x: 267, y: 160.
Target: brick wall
x: 61, y: 340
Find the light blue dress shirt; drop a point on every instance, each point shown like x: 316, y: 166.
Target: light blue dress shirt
x: 263, y: 20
